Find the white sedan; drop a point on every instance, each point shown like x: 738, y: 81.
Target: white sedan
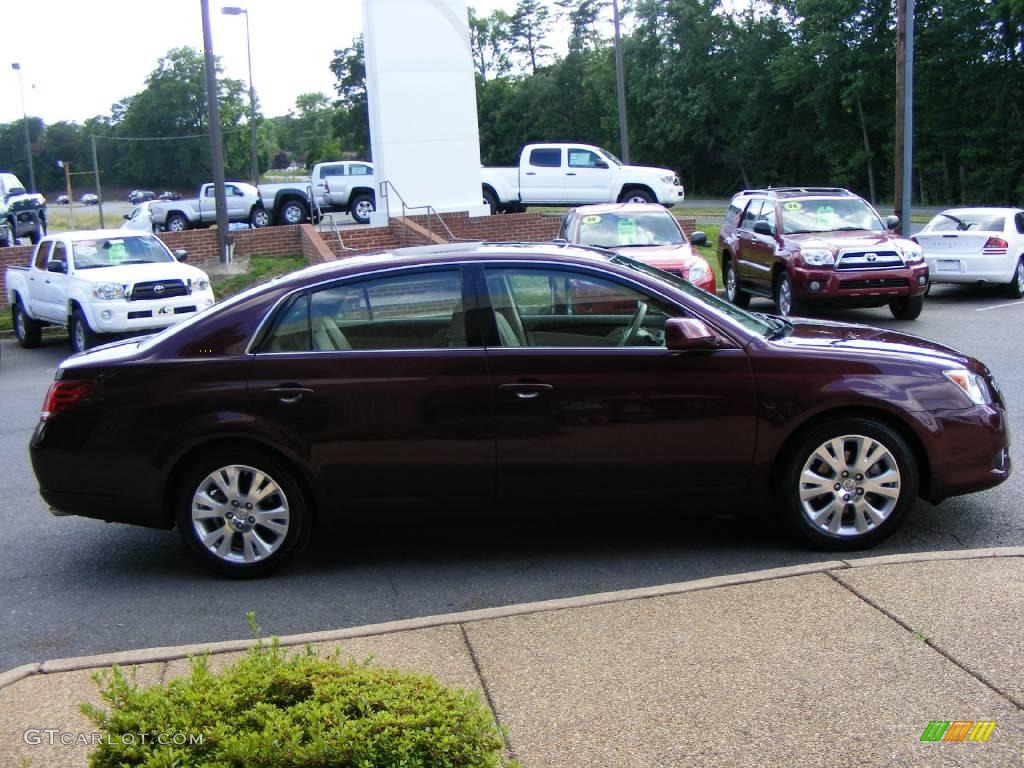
x: 982, y: 246
x: 140, y: 218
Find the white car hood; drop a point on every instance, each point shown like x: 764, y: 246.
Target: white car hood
x: 129, y: 274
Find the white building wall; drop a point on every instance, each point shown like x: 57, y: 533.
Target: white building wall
x: 422, y: 104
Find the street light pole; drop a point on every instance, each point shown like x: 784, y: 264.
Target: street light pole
x: 620, y: 87
x: 233, y: 10
x: 216, y: 146
x: 24, y: 119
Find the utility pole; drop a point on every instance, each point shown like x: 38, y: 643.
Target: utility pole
x: 903, y: 160
x: 71, y: 200
x: 620, y: 87
x: 216, y: 145
x: 96, y: 173
x: 234, y: 10
x: 24, y: 121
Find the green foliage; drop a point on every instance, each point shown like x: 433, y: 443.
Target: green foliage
x: 261, y: 269
x: 275, y: 709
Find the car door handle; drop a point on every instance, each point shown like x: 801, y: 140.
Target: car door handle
x: 531, y: 173
x: 570, y: 173
x: 289, y: 395
x: 525, y: 390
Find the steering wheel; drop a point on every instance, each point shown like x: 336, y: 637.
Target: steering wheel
x: 634, y: 324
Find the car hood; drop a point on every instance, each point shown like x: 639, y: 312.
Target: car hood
x: 129, y: 274
x: 823, y: 335
x: 857, y: 241
x: 657, y: 255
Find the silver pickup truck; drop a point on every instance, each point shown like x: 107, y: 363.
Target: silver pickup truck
x: 243, y: 200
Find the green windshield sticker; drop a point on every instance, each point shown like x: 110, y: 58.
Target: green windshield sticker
x: 824, y: 215
x: 592, y: 219
x: 793, y: 206
x: 627, y: 231
x: 116, y: 252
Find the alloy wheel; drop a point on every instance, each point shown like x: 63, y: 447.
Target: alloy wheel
x: 849, y: 485
x: 240, y: 514
x: 364, y: 208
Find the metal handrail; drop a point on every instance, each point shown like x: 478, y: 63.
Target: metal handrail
x: 314, y: 205
x: 386, y: 185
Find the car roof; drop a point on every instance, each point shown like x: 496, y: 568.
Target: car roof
x: 448, y: 253
x: 600, y: 208
x: 96, y: 234
x: 795, y: 192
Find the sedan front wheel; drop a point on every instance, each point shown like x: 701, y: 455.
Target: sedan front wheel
x: 243, y: 513
x: 849, y: 484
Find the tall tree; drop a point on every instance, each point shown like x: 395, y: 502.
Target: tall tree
x: 528, y: 31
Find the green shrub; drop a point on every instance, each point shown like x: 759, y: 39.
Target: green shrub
x: 275, y: 709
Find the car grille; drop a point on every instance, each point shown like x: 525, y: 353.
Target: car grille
x: 882, y: 282
x: 864, y: 260
x: 158, y: 289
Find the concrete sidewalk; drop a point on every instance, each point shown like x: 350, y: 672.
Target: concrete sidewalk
x: 840, y: 663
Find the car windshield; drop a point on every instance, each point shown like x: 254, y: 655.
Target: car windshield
x: 624, y: 230
x: 828, y: 215
x: 763, y: 325
x: 967, y: 221
x: 114, y: 251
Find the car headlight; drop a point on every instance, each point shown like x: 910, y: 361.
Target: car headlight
x: 696, y: 273
x: 912, y: 252
x: 971, y: 384
x: 108, y: 291
x: 201, y: 284
x: 818, y: 257
x: 668, y: 179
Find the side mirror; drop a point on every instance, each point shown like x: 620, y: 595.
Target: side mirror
x: 686, y: 333
x: 15, y: 191
x: 127, y: 216
x: 891, y: 222
x: 239, y: 193
x: 181, y: 254
x: 57, y: 266
x: 763, y: 228
x: 698, y: 238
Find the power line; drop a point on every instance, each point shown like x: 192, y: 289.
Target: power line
x: 164, y: 138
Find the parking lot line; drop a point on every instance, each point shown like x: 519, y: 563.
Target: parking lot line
x: 999, y: 306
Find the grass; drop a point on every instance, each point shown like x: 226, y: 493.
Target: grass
x: 710, y: 250
x: 60, y: 217
x: 261, y: 269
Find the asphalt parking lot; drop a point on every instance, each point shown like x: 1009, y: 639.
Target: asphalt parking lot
x: 76, y: 586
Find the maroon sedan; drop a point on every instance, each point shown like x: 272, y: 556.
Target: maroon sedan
x: 477, y: 372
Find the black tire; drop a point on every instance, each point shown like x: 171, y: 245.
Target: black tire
x: 292, y: 212
x: 8, y: 239
x: 14, y: 232
x: 83, y: 337
x: 1015, y: 288
x: 907, y: 307
x: 636, y: 196
x: 734, y: 293
x: 259, y: 217
x: 838, y: 528
x: 29, y: 332
x: 36, y: 234
x: 491, y: 201
x: 786, y: 301
x: 358, y: 208
x: 176, y: 222
x: 226, y: 553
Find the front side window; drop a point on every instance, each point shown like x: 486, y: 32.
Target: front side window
x: 584, y: 158
x: 546, y: 158
x: 418, y: 311
x: 360, y: 170
x: 537, y: 307
x: 43, y: 255
x: 753, y: 210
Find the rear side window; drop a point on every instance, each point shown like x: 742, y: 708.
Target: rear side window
x: 332, y: 170
x: 43, y: 255
x: 546, y: 158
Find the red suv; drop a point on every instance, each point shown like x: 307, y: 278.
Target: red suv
x: 818, y: 245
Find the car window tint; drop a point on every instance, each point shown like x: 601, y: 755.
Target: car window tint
x: 553, y: 308
x: 751, y: 215
x: 360, y: 170
x: 546, y: 158
x: 564, y: 232
x: 43, y: 255
x: 583, y: 158
x: 1019, y: 218
x: 59, y: 252
x: 767, y: 214
x: 291, y: 334
x: 332, y: 170
x: 418, y: 311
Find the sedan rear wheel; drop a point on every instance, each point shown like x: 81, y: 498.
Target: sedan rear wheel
x: 849, y: 484
x: 243, y: 513
x: 1015, y: 290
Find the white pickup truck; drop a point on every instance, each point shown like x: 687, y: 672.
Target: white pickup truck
x: 243, y: 201
x: 576, y: 174
x: 105, y: 281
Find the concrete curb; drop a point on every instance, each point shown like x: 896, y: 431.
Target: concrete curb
x: 170, y: 653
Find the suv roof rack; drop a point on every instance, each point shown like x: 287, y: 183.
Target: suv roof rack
x: 796, y: 191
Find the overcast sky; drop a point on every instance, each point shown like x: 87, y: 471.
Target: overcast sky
x: 81, y: 56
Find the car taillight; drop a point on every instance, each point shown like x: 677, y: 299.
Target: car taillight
x: 996, y: 243
x: 63, y: 394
